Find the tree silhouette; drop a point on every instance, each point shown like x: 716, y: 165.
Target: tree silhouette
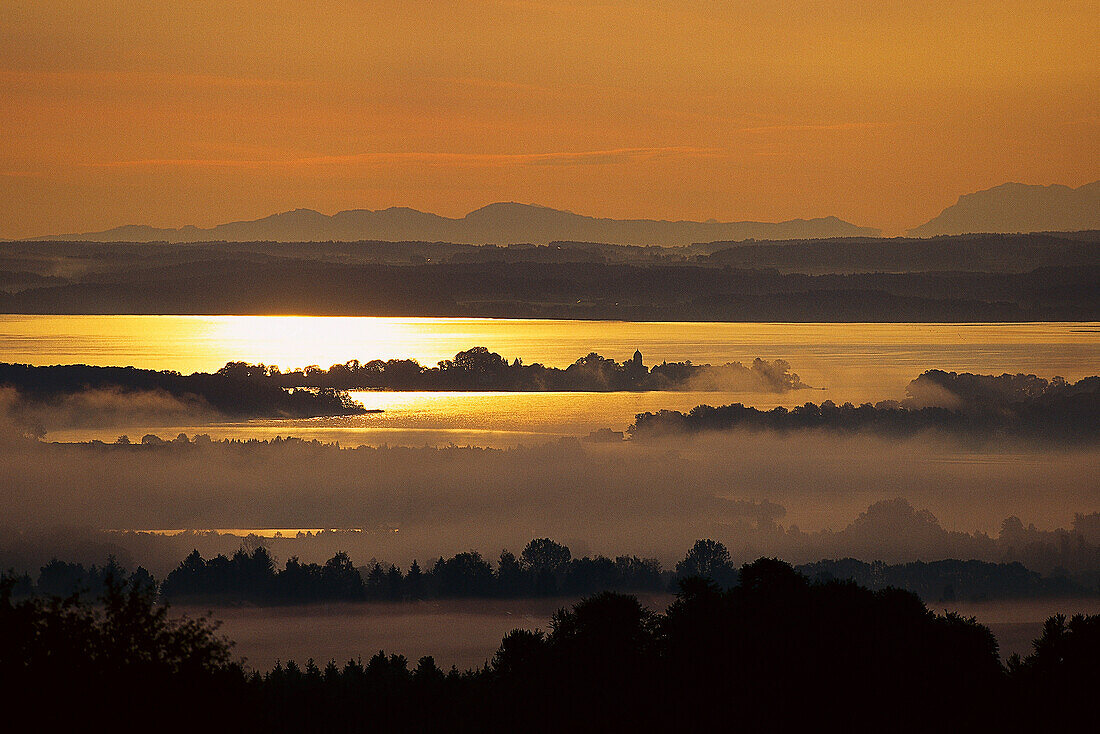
x: 123, y: 644
x: 543, y: 554
x: 777, y: 652
x: 708, y: 559
x: 512, y: 580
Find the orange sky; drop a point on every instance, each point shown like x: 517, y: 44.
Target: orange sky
x: 200, y: 112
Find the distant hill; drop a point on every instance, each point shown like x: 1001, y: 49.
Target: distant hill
x: 1016, y: 207
x: 988, y: 253
x: 504, y: 223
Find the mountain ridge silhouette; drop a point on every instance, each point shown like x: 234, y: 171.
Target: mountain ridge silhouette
x: 1017, y: 207
x: 496, y: 223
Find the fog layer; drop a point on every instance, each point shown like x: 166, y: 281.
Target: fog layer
x: 759, y: 493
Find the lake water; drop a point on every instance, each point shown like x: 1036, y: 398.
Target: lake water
x: 466, y: 633
x: 848, y: 362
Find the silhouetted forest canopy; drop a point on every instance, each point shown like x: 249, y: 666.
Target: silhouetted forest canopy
x: 977, y: 405
x: 116, y: 658
x: 481, y: 369
x: 33, y: 263
x: 240, y: 389
x: 778, y: 651
x: 545, y: 568
x: 988, y: 253
x: 226, y: 392
x: 950, y: 579
x: 77, y: 394
x: 1037, y: 277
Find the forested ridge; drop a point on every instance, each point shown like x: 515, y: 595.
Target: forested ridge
x: 1038, y: 277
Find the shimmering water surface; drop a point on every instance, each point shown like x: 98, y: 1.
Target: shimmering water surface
x: 847, y: 362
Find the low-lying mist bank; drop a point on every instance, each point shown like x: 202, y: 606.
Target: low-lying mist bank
x: 794, y: 496
x: 37, y: 400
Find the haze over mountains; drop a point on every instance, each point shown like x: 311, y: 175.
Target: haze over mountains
x: 502, y: 223
x: 1008, y: 208
x: 1016, y: 207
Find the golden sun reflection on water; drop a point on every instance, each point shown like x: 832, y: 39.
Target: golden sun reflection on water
x: 205, y: 343
x: 847, y: 362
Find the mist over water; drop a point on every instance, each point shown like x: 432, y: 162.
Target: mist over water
x: 550, y: 367
x: 439, y: 473
x: 843, y: 362
x: 758, y: 492
x: 494, y: 419
x: 799, y: 497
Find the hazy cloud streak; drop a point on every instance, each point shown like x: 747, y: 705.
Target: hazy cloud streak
x: 581, y: 158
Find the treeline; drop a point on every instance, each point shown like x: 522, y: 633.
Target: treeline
x: 570, y: 290
x: 480, y: 369
x: 242, y: 390
x: 991, y: 393
x: 990, y: 253
x: 975, y: 405
x: 30, y: 264
x: 63, y: 579
x: 544, y: 568
x: 778, y: 652
x: 226, y: 393
x: 949, y: 580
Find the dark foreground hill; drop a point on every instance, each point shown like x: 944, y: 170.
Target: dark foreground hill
x: 777, y: 652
